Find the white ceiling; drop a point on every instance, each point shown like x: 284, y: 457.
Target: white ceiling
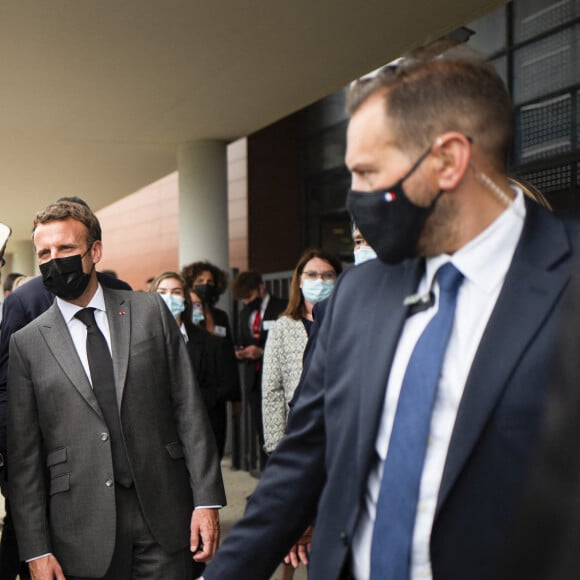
x: 95, y: 95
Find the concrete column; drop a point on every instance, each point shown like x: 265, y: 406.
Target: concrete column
x: 23, y: 257
x: 203, y: 203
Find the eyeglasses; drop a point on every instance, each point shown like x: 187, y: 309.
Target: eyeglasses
x: 326, y: 276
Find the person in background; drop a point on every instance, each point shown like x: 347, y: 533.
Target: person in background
x: 204, y: 353
x: 216, y: 372
x: 21, y: 280
x: 259, y: 313
x: 205, y: 283
x: 362, y: 251
x: 8, y: 285
x: 312, y: 282
x: 209, y: 283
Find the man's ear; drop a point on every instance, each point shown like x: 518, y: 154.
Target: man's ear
x: 453, y: 153
x: 97, y: 251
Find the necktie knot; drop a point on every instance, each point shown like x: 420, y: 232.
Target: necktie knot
x: 86, y: 316
x: 449, y: 278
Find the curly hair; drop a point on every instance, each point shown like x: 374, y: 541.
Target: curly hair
x: 193, y: 270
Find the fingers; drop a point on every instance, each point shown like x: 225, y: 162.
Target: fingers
x: 205, y: 534
x: 303, y: 550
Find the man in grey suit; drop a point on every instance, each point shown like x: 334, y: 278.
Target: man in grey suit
x: 113, y: 468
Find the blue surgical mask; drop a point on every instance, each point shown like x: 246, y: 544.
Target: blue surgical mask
x: 197, y: 316
x: 175, y: 303
x: 317, y: 290
x: 364, y: 254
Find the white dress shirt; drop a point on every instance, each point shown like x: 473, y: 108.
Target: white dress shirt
x: 484, y: 262
x: 252, y: 317
x: 78, y: 330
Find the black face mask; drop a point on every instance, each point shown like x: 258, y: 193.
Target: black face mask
x: 255, y: 304
x: 388, y: 220
x: 207, y: 293
x: 65, y: 277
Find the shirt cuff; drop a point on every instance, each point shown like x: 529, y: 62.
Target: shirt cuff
x: 208, y: 507
x: 38, y: 557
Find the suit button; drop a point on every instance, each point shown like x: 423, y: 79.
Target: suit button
x: 344, y: 538
x: 104, y: 436
x: 109, y: 483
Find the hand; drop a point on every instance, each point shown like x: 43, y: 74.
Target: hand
x: 253, y: 352
x: 300, y: 550
x: 240, y: 352
x: 46, y: 568
x: 205, y: 533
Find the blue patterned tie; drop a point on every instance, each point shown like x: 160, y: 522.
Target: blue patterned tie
x: 397, y: 503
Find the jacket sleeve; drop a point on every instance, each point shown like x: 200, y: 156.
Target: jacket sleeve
x: 28, y: 497
x: 273, y: 400
x: 191, y: 419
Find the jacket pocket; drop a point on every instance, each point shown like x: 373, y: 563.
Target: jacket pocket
x: 56, y: 456
x: 60, y: 483
x: 175, y: 450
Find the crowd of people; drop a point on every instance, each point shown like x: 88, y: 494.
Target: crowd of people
x: 398, y: 407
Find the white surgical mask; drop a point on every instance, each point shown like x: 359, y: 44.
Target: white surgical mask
x: 317, y: 290
x: 197, y: 316
x: 175, y: 303
x: 364, y: 254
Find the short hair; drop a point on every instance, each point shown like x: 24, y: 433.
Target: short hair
x: 245, y: 283
x: 193, y: 270
x: 73, y: 199
x: 295, y: 308
x: 438, y: 88
x: 62, y: 210
x: 9, y: 281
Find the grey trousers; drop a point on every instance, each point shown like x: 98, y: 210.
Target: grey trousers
x: 137, y: 555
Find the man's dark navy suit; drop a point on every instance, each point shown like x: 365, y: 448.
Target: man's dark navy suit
x: 322, y: 464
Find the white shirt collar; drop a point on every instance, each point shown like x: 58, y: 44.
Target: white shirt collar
x: 68, y: 310
x: 484, y: 261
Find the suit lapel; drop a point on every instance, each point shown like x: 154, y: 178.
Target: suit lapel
x: 382, y: 339
x: 59, y: 341
x: 119, y: 317
x: 533, y: 284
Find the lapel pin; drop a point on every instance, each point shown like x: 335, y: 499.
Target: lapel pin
x: 121, y: 312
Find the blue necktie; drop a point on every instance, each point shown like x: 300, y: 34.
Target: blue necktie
x: 399, y: 492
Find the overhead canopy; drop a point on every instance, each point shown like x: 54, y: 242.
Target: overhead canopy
x: 95, y: 96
